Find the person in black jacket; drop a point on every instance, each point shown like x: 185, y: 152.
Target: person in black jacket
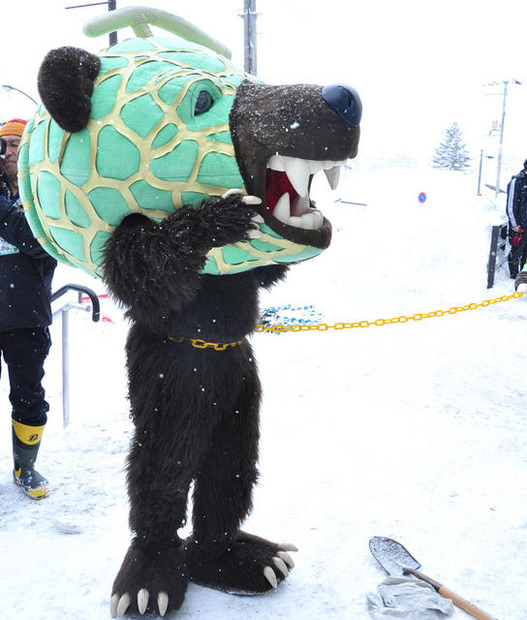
x: 517, y: 215
x: 26, y: 272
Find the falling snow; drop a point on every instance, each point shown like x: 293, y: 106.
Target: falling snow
x: 415, y: 431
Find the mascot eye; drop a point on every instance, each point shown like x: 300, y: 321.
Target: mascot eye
x: 203, y: 103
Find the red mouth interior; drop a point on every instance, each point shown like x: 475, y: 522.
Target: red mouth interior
x: 277, y: 184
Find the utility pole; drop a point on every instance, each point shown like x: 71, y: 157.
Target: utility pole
x: 112, y: 5
x: 249, y: 16
x: 502, y: 129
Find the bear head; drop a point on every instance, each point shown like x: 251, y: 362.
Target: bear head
x: 154, y: 123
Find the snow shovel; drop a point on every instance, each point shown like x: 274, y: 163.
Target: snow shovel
x: 396, y: 560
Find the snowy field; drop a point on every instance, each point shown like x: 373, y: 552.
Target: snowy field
x: 417, y: 431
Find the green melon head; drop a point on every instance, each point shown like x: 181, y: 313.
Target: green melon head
x: 160, y: 126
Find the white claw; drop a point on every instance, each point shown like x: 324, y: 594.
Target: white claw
x: 122, y: 606
x: 288, y: 547
x: 232, y: 192
x: 281, y: 566
x: 113, y: 605
x: 142, y: 600
x: 251, y: 200
x: 269, y: 574
x: 283, y: 555
x: 162, y: 603
x: 257, y: 219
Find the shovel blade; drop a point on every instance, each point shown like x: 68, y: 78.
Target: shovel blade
x: 392, y: 556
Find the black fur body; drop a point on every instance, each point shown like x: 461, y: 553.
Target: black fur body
x: 195, y: 411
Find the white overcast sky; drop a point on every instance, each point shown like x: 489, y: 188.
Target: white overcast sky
x: 418, y: 66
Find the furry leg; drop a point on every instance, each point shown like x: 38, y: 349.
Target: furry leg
x: 154, y: 575
x: 163, y: 458
x: 219, y: 554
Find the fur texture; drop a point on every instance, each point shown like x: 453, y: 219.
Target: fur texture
x: 68, y: 70
x: 195, y: 411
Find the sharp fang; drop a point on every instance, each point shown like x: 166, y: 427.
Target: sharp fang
x: 282, y: 211
x: 276, y: 162
x: 298, y: 172
x: 319, y: 219
x: 333, y: 176
x: 315, y: 166
x: 300, y: 206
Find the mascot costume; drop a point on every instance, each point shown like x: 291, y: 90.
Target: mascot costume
x: 183, y: 183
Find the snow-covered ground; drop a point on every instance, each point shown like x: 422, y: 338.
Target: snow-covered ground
x: 416, y: 430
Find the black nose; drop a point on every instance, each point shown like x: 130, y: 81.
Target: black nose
x: 344, y: 101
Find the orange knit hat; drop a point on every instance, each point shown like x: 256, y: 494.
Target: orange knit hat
x: 14, y: 127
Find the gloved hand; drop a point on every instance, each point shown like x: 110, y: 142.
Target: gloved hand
x: 408, y: 598
x: 518, y: 236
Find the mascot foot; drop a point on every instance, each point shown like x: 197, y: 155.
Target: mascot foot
x: 248, y: 565
x: 149, y: 582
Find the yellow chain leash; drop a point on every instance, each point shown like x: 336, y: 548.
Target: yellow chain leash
x: 322, y: 327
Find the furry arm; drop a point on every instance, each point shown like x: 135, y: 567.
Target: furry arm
x: 151, y: 265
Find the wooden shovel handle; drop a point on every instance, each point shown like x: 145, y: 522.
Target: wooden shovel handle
x: 465, y: 605
x: 460, y: 602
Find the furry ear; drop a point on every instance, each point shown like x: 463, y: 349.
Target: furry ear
x: 65, y: 85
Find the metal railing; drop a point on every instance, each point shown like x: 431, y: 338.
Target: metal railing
x: 64, y: 312
x: 498, y: 252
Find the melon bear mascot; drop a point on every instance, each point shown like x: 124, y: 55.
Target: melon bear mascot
x: 184, y: 183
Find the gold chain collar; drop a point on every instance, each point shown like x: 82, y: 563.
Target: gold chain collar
x: 197, y: 343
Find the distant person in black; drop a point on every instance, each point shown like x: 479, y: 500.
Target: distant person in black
x: 26, y: 271
x: 517, y: 215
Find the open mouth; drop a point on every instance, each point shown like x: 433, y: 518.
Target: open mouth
x: 288, y: 181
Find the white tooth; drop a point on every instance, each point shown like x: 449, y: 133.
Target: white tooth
x: 315, y: 166
x: 276, y: 162
x: 300, y: 205
x: 319, y: 219
x: 282, y: 211
x: 330, y: 164
x: 333, y: 176
x: 295, y: 221
x: 308, y: 221
x: 298, y: 172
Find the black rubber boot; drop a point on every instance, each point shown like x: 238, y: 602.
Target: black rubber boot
x: 26, y: 442
x: 521, y: 280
